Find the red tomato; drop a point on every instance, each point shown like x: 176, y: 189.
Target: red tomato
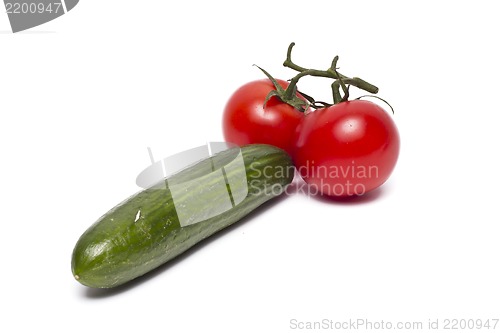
x: 347, y: 149
x: 247, y: 121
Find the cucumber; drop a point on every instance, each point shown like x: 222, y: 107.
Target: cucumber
x: 159, y: 223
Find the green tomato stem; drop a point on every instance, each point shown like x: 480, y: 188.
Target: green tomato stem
x: 331, y: 73
x: 290, y: 94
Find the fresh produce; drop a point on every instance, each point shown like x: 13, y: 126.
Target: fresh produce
x: 342, y: 149
x: 346, y: 149
x: 252, y: 115
x: 145, y: 231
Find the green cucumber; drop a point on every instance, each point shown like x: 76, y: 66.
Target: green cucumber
x: 157, y: 224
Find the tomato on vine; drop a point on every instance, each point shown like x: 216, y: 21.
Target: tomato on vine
x: 342, y: 149
x: 346, y: 149
x: 259, y: 112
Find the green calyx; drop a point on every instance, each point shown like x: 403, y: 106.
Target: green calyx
x: 288, y: 95
x: 341, y: 83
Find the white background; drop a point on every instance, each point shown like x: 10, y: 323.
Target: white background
x: 83, y: 96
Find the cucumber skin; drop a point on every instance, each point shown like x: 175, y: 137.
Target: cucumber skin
x: 117, y: 248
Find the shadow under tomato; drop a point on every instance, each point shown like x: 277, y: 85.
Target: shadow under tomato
x: 96, y: 293
x: 352, y: 200
x: 300, y: 187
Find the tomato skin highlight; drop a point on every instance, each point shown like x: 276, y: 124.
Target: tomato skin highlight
x: 347, y: 149
x: 246, y: 120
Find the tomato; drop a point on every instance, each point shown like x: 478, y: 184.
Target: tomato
x: 246, y: 120
x: 346, y: 149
